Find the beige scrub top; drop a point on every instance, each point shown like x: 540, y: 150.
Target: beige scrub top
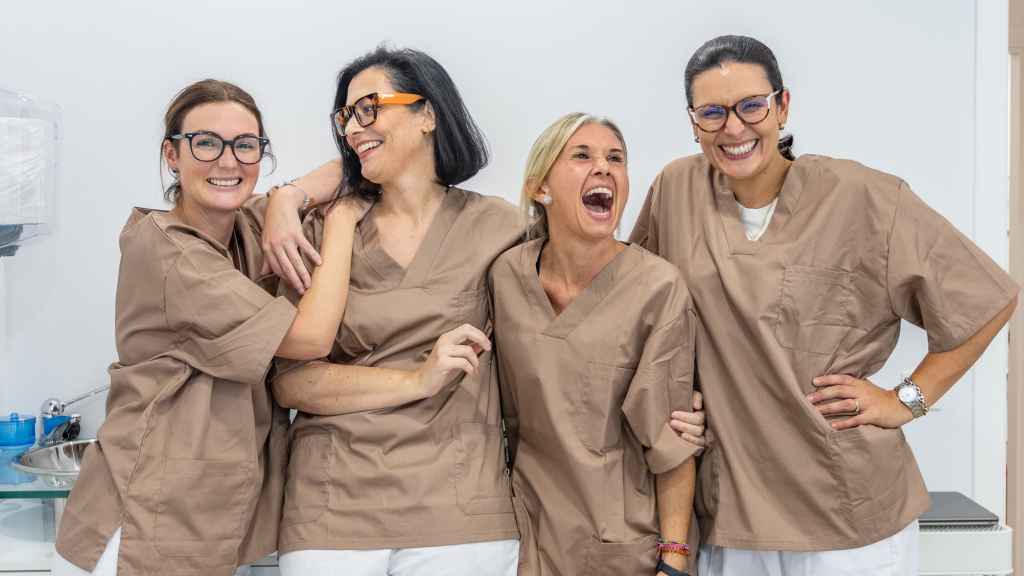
x: 427, y: 473
x: 588, y: 395
x: 190, y: 459
x: 849, y: 252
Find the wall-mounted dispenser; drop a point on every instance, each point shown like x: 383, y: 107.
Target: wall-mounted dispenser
x: 29, y: 147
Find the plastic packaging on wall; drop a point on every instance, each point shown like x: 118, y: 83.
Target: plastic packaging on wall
x: 29, y: 148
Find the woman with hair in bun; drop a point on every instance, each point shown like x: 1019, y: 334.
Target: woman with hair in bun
x: 187, y: 474
x: 801, y: 269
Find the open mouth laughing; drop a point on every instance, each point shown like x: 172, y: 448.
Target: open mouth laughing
x: 598, y: 202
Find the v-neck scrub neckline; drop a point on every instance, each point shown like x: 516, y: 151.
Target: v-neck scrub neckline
x: 560, y: 324
x: 729, y: 212
x: 393, y: 274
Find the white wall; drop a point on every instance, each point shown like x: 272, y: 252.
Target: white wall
x: 917, y: 88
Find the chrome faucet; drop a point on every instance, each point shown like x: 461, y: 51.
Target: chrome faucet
x: 66, y: 431
x: 55, y: 407
x: 63, y: 432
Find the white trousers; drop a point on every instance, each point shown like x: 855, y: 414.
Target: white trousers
x: 896, y: 555
x: 499, y: 558
x: 107, y: 565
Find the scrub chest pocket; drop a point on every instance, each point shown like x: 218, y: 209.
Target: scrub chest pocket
x: 817, y: 309
x: 596, y: 414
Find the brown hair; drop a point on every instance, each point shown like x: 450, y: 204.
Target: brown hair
x: 194, y: 95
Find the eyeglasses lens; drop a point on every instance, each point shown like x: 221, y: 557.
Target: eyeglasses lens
x: 248, y: 149
x: 207, y: 147
x: 364, y: 109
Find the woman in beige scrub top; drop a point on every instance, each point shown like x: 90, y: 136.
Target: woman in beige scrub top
x: 800, y: 270
x: 396, y: 463
x: 595, y: 345
x: 187, y: 474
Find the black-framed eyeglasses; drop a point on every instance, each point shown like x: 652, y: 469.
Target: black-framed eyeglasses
x: 208, y: 146
x: 751, y: 110
x: 365, y: 109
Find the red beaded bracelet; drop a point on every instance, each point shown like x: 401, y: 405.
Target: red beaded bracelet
x: 667, y: 546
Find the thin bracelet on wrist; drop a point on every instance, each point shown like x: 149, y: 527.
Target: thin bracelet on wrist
x: 672, y: 547
x: 306, y: 199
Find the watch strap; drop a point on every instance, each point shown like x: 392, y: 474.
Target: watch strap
x: 670, y: 571
x: 917, y: 407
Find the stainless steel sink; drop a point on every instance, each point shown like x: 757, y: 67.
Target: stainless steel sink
x: 58, y: 464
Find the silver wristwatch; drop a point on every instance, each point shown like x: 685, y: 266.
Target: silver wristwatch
x: 912, y: 397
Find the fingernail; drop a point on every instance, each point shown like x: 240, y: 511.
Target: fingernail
x: 817, y: 380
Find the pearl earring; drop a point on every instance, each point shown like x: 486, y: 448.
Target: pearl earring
x: 546, y: 199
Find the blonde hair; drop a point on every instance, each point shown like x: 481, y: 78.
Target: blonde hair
x: 543, y: 154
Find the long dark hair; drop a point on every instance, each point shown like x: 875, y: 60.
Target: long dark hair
x: 460, y: 150
x: 742, y: 50
x: 194, y: 95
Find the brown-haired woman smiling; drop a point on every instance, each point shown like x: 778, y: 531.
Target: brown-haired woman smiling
x: 187, y: 473
x: 801, y: 270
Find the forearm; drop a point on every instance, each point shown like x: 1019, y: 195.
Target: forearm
x: 321, y: 185
x: 675, y: 506
x: 328, y: 389
x: 322, y: 306
x: 938, y: 371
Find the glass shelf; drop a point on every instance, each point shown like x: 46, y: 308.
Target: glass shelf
x: 15, y: 484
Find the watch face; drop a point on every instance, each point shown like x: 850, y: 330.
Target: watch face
x: 907, y: 394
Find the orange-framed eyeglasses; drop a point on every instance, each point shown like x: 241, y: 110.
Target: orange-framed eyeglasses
x: 365, y: 109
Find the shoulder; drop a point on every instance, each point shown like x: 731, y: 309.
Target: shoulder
x: 848, y: 174
x: 492, y: 207
x: 493, y: 216
x: 656, y: 287
x: 150, y: 234
x: 681, y: 181
x: 161, y: 237
x: 684, y: 168
x: 655, y: 270
x: 512, y: 259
